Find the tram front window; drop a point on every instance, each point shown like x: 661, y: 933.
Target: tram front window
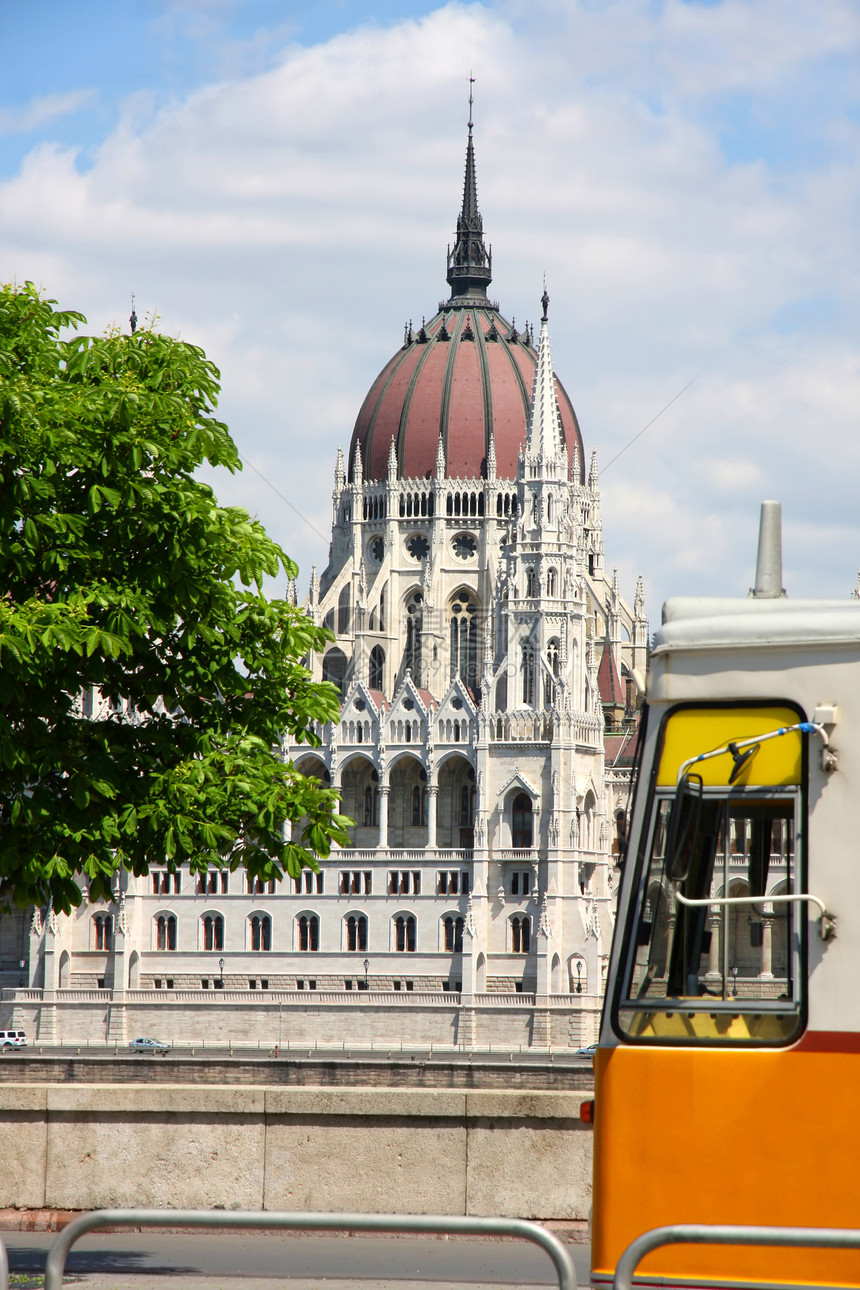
x: 717, y: 971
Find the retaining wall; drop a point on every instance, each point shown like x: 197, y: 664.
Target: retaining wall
x: 374, y: 1150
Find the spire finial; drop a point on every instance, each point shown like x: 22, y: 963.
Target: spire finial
x: 132, y: 322
x: 470, y: 265
x: 545, y: 301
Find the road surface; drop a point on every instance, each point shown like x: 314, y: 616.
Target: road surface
x: 234, y: 1261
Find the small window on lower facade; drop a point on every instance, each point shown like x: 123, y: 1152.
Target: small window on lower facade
x: 404, y: 934
x: 261, y: 932
x: 165, y: 932
x: 309, y: 933
x: 213, y: 932
x: 452, y: 926
x: 356, y: 933
x: 520, y: 934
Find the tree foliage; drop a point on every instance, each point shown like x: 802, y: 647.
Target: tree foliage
x: 121, y: 577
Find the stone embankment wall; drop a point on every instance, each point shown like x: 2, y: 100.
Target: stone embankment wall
x: 372, y: 1150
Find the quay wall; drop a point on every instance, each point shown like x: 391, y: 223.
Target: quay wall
x: 374, y: 1150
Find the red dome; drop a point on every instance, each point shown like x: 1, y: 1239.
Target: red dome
x: 466, y: 371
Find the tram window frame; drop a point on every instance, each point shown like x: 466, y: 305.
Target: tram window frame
x: 725, y: 1012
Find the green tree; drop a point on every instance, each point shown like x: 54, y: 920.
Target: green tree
x: 122, y: 578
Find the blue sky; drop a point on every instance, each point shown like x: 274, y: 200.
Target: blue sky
x: 278, y: 182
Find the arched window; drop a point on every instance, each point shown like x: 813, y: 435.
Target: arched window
x: 467, y: 806
x: 404, y: 934
x: 356, y: 933
x: 528, y: 665
x: 464, y: 638
x: 414, y: 628
x: 382, y: 608
x: 619, y: 842
x: 343, y: 608
x: 453, y: 928
x: 165, y: 932
x: 522, y: 822
x: 520, y: 933
x: 213, y: 932
x: 309, y: 933
x: 530, y: 580
x: 552, y: 583
x: 261, y: 932
x: 377, y: 667
x: 419, y: 799
x: 371, y: 806
x: 334, y: 668
x: 103, y: 931
x: 553, y: 662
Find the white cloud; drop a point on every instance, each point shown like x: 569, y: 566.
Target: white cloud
x: 291, y: 221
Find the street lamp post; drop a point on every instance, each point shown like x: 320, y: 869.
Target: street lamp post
x: 21, y: 971
x: 579, y: 976
x: 221, y: 970
x: 366, y: 968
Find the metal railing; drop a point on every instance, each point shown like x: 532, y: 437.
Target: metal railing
x: 726, y: 1234
x: 414, y: 1224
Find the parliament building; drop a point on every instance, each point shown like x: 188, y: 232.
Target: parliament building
x: 491, y: 674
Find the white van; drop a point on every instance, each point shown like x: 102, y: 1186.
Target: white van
x: 12, y: 1039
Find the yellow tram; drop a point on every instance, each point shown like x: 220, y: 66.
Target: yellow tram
x: 727, y: 1078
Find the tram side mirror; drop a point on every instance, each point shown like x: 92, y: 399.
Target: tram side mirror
x: 683, y: 827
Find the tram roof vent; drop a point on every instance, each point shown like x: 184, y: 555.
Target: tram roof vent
x: 768, y: 569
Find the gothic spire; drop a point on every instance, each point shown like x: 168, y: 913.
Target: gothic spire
x: 545, y: 434
x: 470, y: 264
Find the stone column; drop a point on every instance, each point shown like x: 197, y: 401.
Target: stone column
x: 767, y: 946
x: 714, y: 969
x: 384, y: 793
x: 432, y: 794
x: 47, y: 1031
x: 116, y: 1022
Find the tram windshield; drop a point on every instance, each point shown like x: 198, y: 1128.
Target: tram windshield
x: 717, y: 969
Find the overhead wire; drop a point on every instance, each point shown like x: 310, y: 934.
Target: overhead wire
x: 618, y: 454
x: 309, y: 523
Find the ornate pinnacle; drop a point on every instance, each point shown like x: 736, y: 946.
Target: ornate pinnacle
x: 639, y: 598
x: 491, y: 456
x: 574, y: 463
x: 440, y: 458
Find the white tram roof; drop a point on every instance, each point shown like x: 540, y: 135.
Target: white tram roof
x: 719, y: 622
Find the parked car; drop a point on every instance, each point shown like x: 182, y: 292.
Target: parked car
x: 149, y: 1046
x: 589, y: 1051
x: 12, y: 1039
